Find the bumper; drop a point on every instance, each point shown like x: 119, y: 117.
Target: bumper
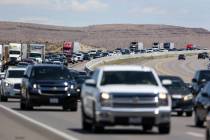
x: 52, y: 100
x: 12, y: 93
x: 180, y: 105
x: 153, y: 116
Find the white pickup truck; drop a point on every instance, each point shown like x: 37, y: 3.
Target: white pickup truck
x: 125, y: 95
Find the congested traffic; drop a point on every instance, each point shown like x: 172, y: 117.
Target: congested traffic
x: 109, y: 96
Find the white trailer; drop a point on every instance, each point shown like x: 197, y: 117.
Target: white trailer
x: 140, y: 45
x: 76, y: 47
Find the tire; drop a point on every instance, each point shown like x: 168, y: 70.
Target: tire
x: 28, y: 103
x: 189, y: 114
x: 22, y: 104
x: 96, y: 128
x: 180, y: 113
x: 73, y: 106
x: 147, y: 127
x: 198, y: 122
x: 164, y: 128
x: 4, y: 98
x: 85, y: 125
x: 207, y: 134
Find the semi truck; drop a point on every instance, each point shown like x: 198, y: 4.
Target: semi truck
x: 15, y: 51
x: 36, y: 52
x: 136, y: 46
x: 71, y: 47
x: 4, y: 51
x: 168, y: 45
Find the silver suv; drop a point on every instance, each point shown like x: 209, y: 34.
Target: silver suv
x: 125, y: 95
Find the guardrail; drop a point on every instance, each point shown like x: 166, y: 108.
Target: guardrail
x: 91, y: 65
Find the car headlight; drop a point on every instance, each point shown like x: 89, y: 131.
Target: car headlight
x: 105, y: 96
x: 162, y: 95
x: 105, y: 99
x: 35, y: 86
x: 71, y: 86
x: 188, y: 97
x: 163, y: 99
x: 7, y: 84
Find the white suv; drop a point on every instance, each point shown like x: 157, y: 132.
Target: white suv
x: 11, y: 84
x: 125, y: 95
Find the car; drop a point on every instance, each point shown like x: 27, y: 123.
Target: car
x: 23, y: 64
x: 182, y: 98
x: 181, y: 57
x: 201, y: 56
x: 48, y: 84
x: 199, y: 80
x: 11, y: 84
x: 208, y: 125
x: 201, y: 105
x: 125, y: 95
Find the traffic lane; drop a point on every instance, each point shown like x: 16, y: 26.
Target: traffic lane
x: 172, y: 66
x: 70, y: 123
x: 11, y: 129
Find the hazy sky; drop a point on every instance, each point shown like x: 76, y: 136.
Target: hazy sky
x: 190, y: 13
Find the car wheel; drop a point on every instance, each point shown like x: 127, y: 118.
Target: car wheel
x: 179, y: 113
x: 73, y: 106
x: 198, y: 122
x: 28, y: 103
x: 189, y: 114
x: 96, y: 128
x: 147, y: 127
x: 164, y: 128
x: 4, y: 98
x: 22, y: 104
x: 207, y: 134
x: 85, y: 124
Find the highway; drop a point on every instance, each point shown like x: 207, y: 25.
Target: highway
x: 70, y: 122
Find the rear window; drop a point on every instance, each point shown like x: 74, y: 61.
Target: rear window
x: 128, y: 77
x: 51, y: 73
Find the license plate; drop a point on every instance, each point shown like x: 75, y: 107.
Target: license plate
x: 135, y: 120
x: 54, y: 100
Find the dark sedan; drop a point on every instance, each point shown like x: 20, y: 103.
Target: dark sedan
x: 47, y: 84
x: 182, y: 98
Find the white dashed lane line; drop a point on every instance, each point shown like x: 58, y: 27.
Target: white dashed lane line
x: 198, y: 135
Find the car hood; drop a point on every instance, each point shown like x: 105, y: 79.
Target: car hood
x: 52, y: 82
x: 182, y: 91
x: 133, y: 89
x: 13, y: 80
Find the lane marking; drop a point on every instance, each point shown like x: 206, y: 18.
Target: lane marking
x: 199, y: 135
x: 39, y: 124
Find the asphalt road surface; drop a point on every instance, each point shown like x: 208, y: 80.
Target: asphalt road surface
x: 70, y: 122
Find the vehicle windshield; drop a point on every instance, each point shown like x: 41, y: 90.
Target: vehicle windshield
x: 176, y: 85
x: 51, y: 73
x: 128, y: 77
x: 15, y: 73
x: 35, y: 55
x: 14, y: 52
x: 205, y: 75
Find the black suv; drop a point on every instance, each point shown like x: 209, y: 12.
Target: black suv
x: 46, y: 84
x: 182, y: 98
x: 199, y: 80
x: 203, y: 55
x: 181, y: 57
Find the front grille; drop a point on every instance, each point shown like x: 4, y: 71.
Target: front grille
x: 17, y: 86
x: 130, y: 100
x: 53, y: 92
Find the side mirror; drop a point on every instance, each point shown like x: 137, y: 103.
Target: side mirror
x: 194, y: 80
x: 25, y: 76
x: 166, y: 82
x: 204, y: 94
x: 90, y: 82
